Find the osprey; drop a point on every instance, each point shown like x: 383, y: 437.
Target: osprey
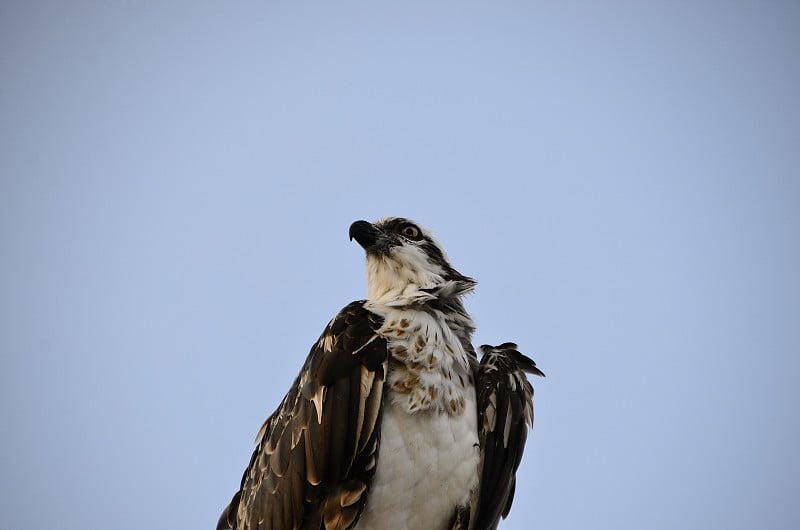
x: 393, y: 423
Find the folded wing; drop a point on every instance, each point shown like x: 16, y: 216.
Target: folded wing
x: 505, y: 413
x: 316, y: 454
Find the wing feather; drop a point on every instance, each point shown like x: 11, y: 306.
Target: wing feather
x: 505, y: 413
x: 314, y: 457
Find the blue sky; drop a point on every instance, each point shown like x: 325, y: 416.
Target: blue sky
x: 177, y: 180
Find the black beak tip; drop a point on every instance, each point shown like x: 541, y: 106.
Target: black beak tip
x: 358, y: 227
x: 365, y: 233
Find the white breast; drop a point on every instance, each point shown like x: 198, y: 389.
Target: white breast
x: 428, y: 457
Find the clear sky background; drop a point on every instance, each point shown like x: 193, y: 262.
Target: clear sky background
x: 178, y: 178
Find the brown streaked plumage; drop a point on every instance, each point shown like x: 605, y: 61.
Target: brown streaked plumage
x: 342, y: 451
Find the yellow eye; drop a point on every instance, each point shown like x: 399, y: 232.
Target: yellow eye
x: 411, y: 231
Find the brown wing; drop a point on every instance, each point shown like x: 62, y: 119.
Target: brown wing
x: 505, y: 413
x: 316, y: 453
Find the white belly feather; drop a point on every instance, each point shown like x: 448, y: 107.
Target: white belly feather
x: 428, y: 457
x: 427, y: 466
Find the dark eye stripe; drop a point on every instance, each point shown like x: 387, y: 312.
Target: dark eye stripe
x: 399, y: 225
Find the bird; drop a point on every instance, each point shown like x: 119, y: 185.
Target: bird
x: 393, y: 422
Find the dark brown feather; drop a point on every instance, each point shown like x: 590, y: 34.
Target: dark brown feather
x: 505, y: 413
x: 314, y: 458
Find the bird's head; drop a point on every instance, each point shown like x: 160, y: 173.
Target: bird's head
x: 405, y: 263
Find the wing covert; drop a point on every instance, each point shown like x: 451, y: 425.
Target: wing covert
x: 316, y: 454
x: 505, y: 413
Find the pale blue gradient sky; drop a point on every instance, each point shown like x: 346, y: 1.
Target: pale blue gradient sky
x: 177, y: 183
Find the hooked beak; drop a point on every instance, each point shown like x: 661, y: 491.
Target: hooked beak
x: 369, y: 236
